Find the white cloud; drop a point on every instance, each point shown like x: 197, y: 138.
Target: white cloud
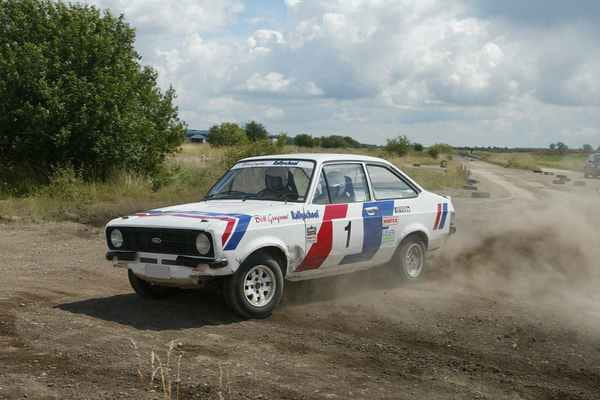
x: 187, y: 16
x: 271, y: 82
x: 470, y: 71
x: 262, y: 40
x: 292, y: 3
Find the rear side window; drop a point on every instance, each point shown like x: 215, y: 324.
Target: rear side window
x: 387, y: 185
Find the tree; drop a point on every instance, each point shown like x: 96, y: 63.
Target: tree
x: 351, y: 142
x: 256, y: 131
x: 304, y: 140
x: 398, y: 146
x: 334, y: 141
x: 552, y: 146
x: 226, y: 134
x: 73, y: 93
x: 587, y: 148
x: 562, y: 148
x: 282, y: 139
x: 418, y: 147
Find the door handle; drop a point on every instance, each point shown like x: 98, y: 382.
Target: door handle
x: 371, y: 210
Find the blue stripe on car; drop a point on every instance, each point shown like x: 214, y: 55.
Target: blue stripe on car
x: 372, y: 231
x: 444, y: 215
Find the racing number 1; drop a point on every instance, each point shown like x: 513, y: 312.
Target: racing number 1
x: 348, y: 229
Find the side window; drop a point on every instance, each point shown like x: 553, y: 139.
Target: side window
x: 387, y: 185
x: 346, y: 183
x: 321, y: 193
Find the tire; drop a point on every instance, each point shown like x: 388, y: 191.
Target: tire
x: 408, y: 270
x: 241, y: 291
x: 147, y: 290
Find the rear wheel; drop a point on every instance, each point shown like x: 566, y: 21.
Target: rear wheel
x: 256, y: 287
x: 410, y: 258
x: 148, y: 290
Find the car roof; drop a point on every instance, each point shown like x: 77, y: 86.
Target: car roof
x: 318, y: 157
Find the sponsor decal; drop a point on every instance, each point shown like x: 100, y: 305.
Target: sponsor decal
x: 441, y: 215
x: 389, y: 237
x: 274, y: 163
x: 286, y: 162
x: 237, y: 224
x: 305, y: 214
x: 271, y: 219
x: 311, y: 234
x: 402, y: 210
x: 391, y: 220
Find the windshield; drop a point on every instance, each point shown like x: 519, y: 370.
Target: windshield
x: 282, y: 180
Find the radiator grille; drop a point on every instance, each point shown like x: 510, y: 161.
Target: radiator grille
x: 158, y: 240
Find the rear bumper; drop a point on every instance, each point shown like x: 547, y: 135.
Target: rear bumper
x: 168, y: 269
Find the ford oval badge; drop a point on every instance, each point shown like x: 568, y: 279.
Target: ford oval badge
x: 156, y: 240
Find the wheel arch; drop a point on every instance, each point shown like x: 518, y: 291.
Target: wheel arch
x: 275, y: 251
x: 419, y: 233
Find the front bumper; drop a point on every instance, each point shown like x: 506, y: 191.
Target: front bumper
x: 169, y: 269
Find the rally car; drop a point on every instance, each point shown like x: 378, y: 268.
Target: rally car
x: 286, y: 217
x: 591, y: 168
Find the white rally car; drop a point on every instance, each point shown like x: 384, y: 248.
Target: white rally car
x: 273, y: 218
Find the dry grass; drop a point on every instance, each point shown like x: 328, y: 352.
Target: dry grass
x: 187, y: 177
x: 165, y: 375
x: 532, y: 161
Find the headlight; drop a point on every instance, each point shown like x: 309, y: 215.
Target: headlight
x: 202, y: 243
x: 116, y: 238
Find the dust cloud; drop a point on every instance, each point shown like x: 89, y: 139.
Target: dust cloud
x: 543, y: 254
x: 536, y: 250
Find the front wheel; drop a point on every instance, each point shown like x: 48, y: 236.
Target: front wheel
x: 256, y: 287
x: 148, y: 290
x: 410, y: 259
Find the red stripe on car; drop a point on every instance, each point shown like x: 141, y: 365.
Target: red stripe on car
x: 320, y: 250
x: 438, y: 215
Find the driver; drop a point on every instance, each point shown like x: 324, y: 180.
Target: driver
x: 277, y: 183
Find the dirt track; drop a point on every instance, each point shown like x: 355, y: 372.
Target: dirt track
x: 510, y: 310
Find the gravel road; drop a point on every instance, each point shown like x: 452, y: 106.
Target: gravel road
x: 509, y: 310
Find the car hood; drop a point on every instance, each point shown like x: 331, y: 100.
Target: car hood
x: 213, y: 214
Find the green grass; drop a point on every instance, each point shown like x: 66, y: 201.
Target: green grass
x: 532, y: 161
x: 574, y: 162
x: 186, y: 178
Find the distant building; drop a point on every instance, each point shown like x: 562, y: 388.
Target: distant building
x: 196, y: 136
x: 273, y: 138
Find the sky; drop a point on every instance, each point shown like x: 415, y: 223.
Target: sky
x: 463, y: 72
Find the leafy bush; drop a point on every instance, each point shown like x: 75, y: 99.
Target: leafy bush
x: 256, y: 131
x: 337, y: 141
x: 418, y: 147
x: 227, y: 134
x: 73, y: 93
x: 434, y: 152
x: 304, y: 140
x: 398, y: 146
x: 283, y: 139
x: 440, y: 148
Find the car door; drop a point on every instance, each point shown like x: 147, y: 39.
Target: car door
x: 396, y: 200
x: 338, y: 202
